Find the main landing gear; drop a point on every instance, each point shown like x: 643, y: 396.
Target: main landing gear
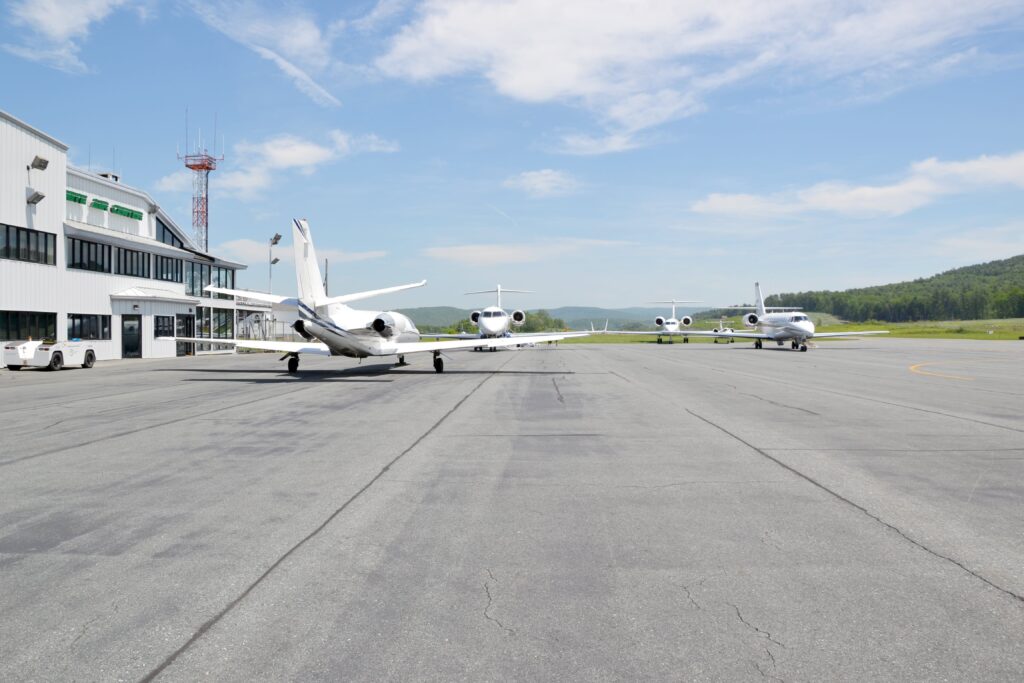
x: 758, y: 344
x: 293, y: 365
x: 686, y: 340
x: 438, y: 362
x: 401, y: 360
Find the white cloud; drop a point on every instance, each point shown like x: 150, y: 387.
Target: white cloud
x: 638, y: 65
x: 291, y: 40
x: 60, y: 27
x: 494, y: 254
x: 253, y: 252
x: 179, y: 181
x: 924, y: 184
x: 586, y: 145
x: 256, y: 163
x: 544, y: 183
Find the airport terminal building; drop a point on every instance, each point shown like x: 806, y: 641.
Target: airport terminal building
x: 83, y: 256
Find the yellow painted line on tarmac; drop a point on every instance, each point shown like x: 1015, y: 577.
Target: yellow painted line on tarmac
x: 917, y: 370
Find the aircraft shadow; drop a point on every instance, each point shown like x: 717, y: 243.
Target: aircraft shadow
x: 346, y: 374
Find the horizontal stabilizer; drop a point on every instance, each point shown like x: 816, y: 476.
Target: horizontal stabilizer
x: 259, y: 344
x: 346, y: 298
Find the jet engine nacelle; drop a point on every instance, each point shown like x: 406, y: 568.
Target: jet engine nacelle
x: 518, y: 318
x: 474, y: 318
x: 686, y: 321
x: 659, y: 321
x: 300, y: 328
x: 389, y: 324
x: 750, y: 320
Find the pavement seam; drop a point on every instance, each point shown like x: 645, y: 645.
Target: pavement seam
x: 862, y: 509
x: 212, y: 621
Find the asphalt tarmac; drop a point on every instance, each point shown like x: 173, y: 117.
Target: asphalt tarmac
x: 585, y: 512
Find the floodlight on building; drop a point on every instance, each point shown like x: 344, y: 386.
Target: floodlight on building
x: 39, y: 163
x: 34, y: 196
x: 275, y: 239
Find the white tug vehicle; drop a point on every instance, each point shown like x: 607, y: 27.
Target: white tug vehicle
x: 49, y: 354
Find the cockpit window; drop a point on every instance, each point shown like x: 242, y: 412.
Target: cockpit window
x: 798, y: 318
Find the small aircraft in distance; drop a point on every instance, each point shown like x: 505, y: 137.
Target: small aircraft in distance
x: 780, y: 324
x: 492, y: 321
x: 669, y: 327
x: 331, y: 328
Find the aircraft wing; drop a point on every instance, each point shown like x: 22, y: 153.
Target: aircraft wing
x: 255, y: 296
x: 495, y: 342
x: 461, y: 335
x: 725, y: 335
x: 260, y: 345
x: 818, y: 335
x: 359, y: 296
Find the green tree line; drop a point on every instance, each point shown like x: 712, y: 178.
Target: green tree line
x: 987, y: 290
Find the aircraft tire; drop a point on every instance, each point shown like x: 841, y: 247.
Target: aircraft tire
x: 293, y: 365
x: 803, y: 347
x: 438, y: 364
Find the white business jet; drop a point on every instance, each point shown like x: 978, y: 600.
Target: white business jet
x: 331, y: 328
x: 492, y: 321
x: 669, y: 327
x: 779, y: 324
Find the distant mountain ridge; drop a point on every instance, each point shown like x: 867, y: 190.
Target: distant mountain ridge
x: 986, y: 290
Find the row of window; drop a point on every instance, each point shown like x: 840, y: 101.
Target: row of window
x: 103, y: 258
x: 27, y: 324
x: 22, y: 244
x: 164, y: 234
x: 88, y: 326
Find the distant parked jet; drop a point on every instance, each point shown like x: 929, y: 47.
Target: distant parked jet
x: 668, y: 327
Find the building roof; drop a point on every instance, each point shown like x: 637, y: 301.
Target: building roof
x: 35, y: 131
x: 154, y: 294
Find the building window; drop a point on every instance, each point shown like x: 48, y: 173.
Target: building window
x: 166, y: 268
x: 222, y: 323
x: 22, y: 244
x: 131, y: 262
x: 85, y: 255
x: 223, y: 277
x: 198, y: 278
x: 163, y: 326
x: 164, y: 234
x: 24, y: 324
x: 88, y: 326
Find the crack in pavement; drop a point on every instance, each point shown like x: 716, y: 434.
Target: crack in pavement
x: 766, y: 634
x: 558, y: 391
x: 862, y: 509
x: 781, y: 405
x: 490, y: 601
x: 212, y: 621
x: 689, y: 595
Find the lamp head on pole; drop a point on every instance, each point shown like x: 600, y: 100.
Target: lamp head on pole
x: 275, y: 239
x: 274, y: 261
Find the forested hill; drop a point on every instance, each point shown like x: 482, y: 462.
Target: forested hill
x: 987, y: 290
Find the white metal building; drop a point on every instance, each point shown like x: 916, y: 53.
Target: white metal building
x: 84, y: 256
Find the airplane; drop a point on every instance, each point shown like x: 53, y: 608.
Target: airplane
x: 721, y: 329
x: 779, y: 324
x: 331, y: 328
x: 492, y: 321
x: 670, y: 326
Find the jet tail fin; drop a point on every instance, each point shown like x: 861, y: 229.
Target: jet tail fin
x: 759, y: 299
x: 307, y: 269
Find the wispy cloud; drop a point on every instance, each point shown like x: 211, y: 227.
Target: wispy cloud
x: 291, y: 40
x: 543, y: 183
x: 923, y: 184
x: 494, y: 254
x: 257, y: 164
x: 983, y: 244
x: 253, y: 252
x: 640, y: 66
x: 179, y: 181
x: 59, y: 28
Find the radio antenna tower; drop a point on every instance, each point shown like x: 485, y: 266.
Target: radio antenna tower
x: 201, y: 162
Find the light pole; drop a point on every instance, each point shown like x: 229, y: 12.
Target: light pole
x: 270, y: 274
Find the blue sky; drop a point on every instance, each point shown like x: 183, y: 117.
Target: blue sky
x: 599, y: 153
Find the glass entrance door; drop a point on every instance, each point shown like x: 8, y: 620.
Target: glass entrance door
x: 185, y: 326
x: 131, y: 336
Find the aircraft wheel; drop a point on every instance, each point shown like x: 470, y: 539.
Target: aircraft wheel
x: 494, y: 348
x: 438, y: 364
x: 90, y: 360
x: 401, y: 360
x: 803, y: 347
x: 659, y: 340
x: 686, y: 340
x: 293, y: 364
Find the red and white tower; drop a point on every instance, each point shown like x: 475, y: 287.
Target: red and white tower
x: 201, y: 163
